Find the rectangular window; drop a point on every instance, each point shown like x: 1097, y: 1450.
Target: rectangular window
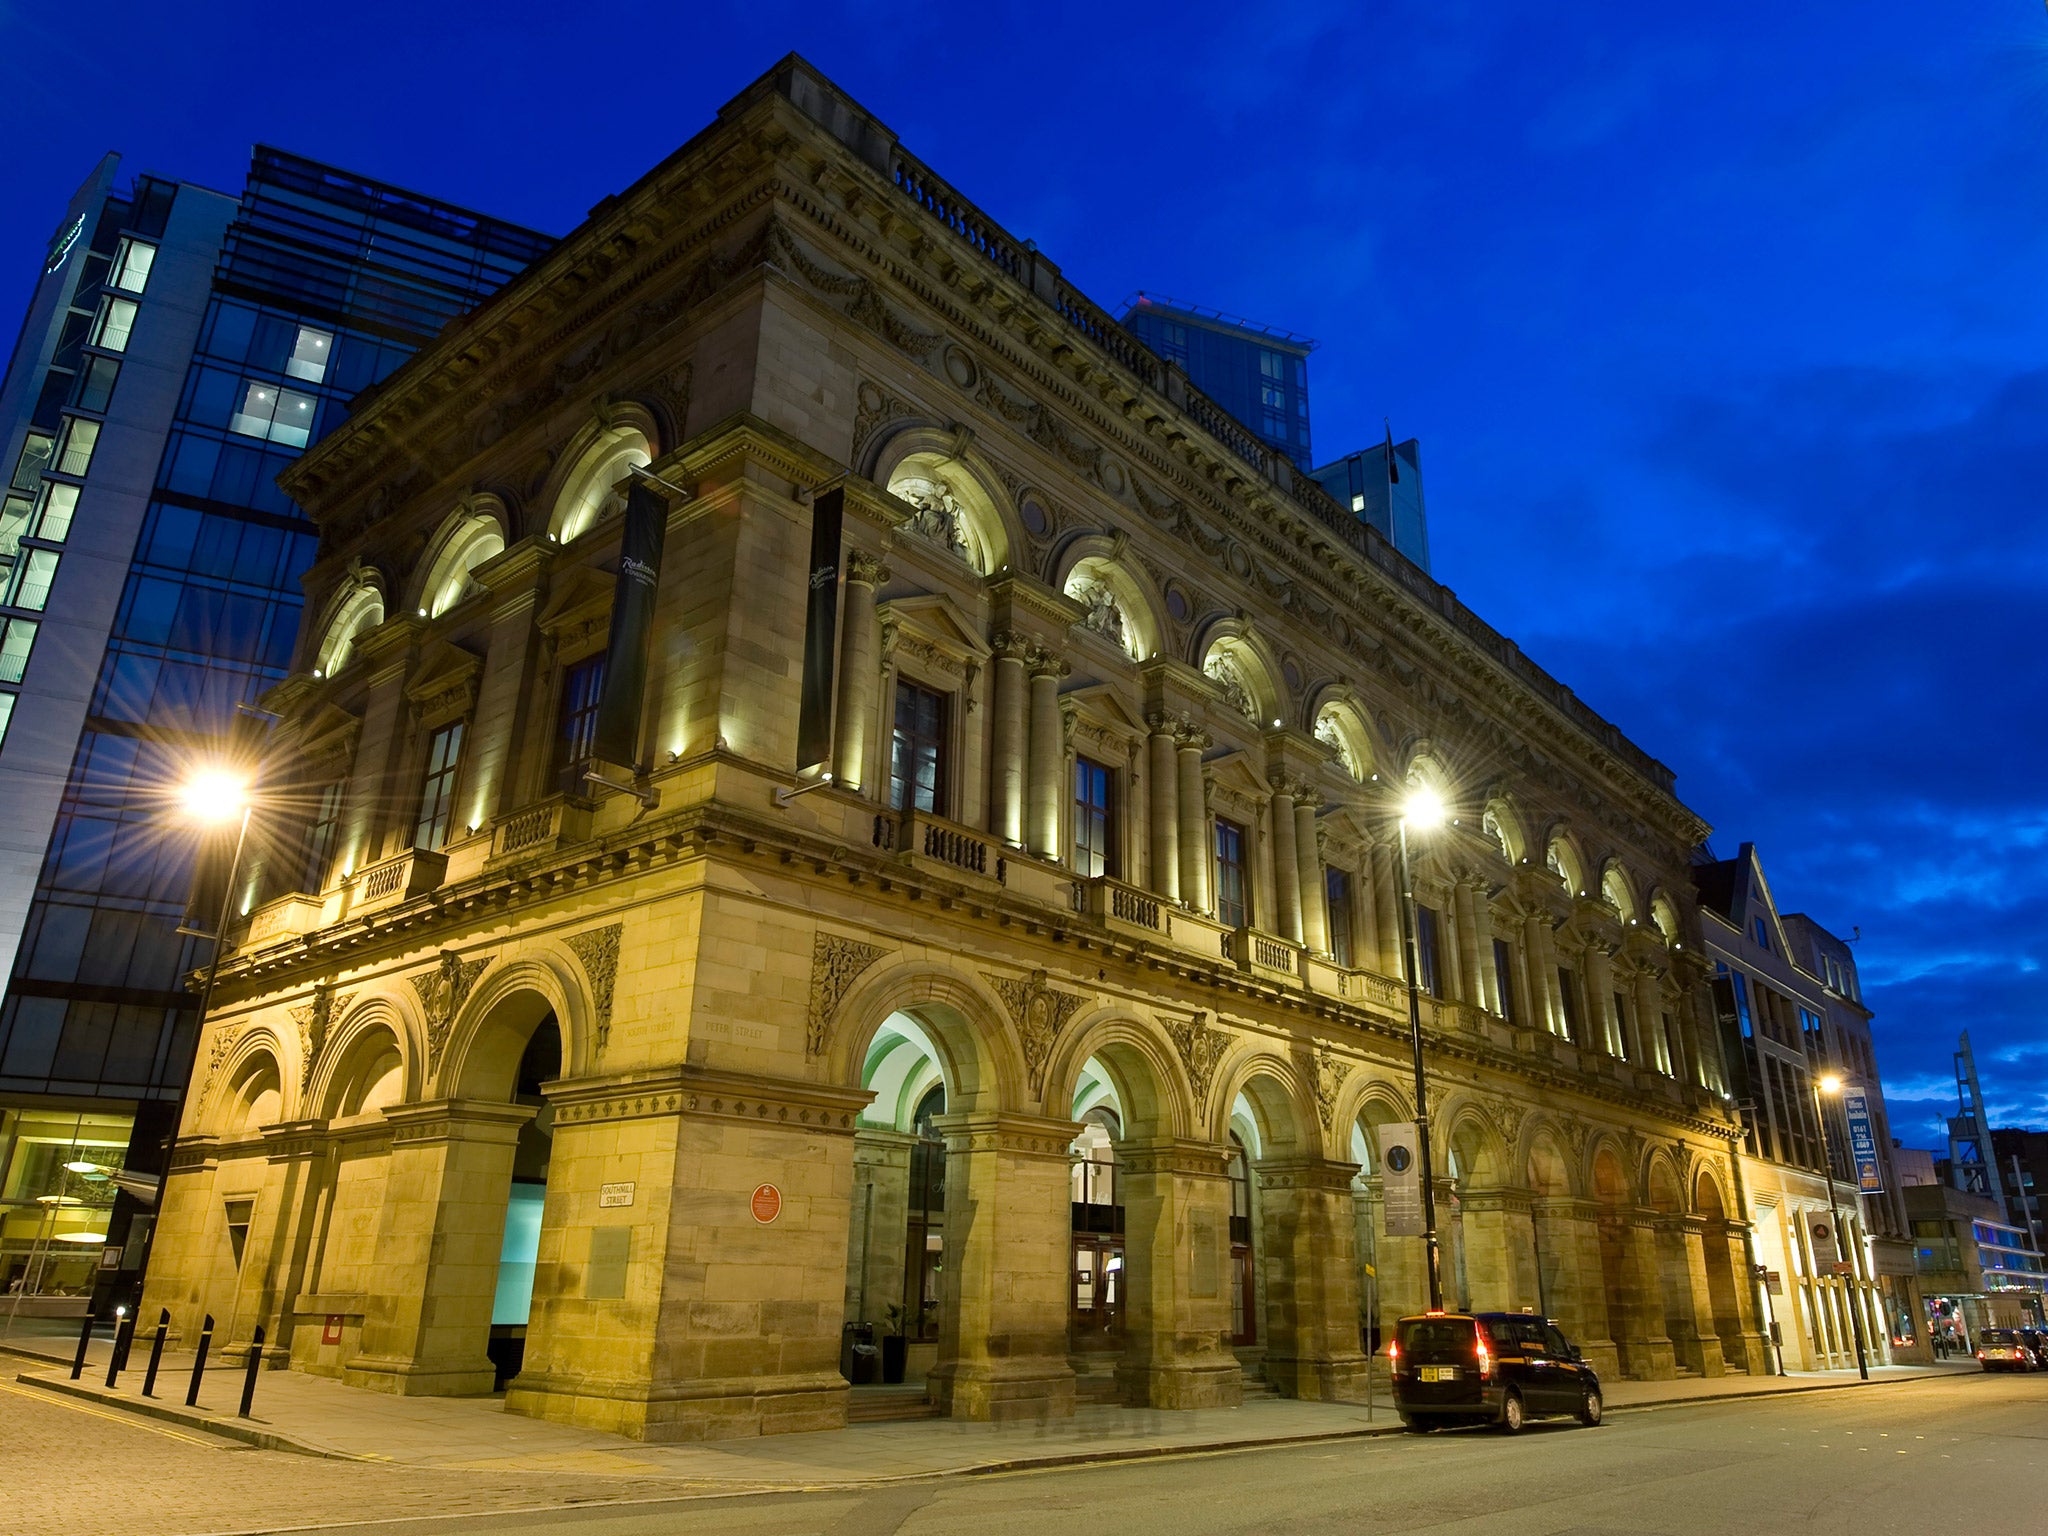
x: 1568, y: 989
x: 132, y: 261
x: 6, y: 714
x: 1233, y: 897
x: 917, y: 750
x: 1763, y: 935
x: 576, y: 722
x: 1621, y: 1024
x: 1337, y: 889
x: 322, y: 834
x: 1428, y: 950
x: 310, y: 354
x: 60, y: 505
x: 1504, y: 979
x: 115, y: 324
x: 281, y: 415
x: 96, y: 384
x: 81, y: 436
x: 1739, y: 985
x: 36, y: 451
x: 1094, y: 818
x: 15, y: 639
x: 32, y: 578
x: 16, y: 512
x: 437, y: 794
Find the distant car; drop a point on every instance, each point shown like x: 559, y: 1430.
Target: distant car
x: 2036, y: 1340
x: 2004, y: 1349
x: 1500, y: 1368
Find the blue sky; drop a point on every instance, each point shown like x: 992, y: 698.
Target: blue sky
x: 1723, y: 328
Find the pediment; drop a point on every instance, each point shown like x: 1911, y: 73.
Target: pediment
x: 576, y: 595
x: 937, y: 620
x: 1235, y: 783
x: 1106, y: 703
x: 443, y: 685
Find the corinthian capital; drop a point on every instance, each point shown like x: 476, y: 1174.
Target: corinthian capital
x: 1044, y: 663
x: 865, y: 568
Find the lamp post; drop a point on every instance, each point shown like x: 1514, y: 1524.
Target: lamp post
x: 1831, y: 1085
x: 1426, y: 811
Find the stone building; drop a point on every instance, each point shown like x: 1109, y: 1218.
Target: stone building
x: 1055, y: 1027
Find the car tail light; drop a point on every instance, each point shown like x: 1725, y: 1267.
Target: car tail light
x: 1393, y: 1354
x: 1980, y: 1354
x: 1485, y: 1355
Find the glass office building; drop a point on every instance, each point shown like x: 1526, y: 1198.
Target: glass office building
x: 1257, y: 373
x: 1384, y: 491
x: 180, y: 349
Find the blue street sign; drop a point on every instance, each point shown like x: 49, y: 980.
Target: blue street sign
x: 1862, y: 1141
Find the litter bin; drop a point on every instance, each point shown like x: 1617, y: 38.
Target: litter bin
x: 859, y: 1359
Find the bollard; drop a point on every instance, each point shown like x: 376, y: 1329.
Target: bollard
x: 249, y: 1375
x: 156, y: 1352
x: 199, y: 1362
x: 118, y: 1355
x: 84, y: 1342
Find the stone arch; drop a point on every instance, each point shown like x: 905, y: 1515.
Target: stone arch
x: 1367, y: 1104
x: 1546, y: 1170
x: 1239, y: 662
x: 355, y: 607
x: 1663, y: 1187
x: 1709, y: 1199
x: 1606, y: 1173
x: 473, y: 533
x: 509, y: 1001
x: 251, y: 1089
x: 1282, y: 1118
x: 1340, y: 724
x: 1618, y: 891
x: 1123, y: 605
x: 1481, y: 1159
x: 354, y: 1046
x: 956, y: 493
x: 1502, y: 825
x: 581, y: 493
x: 1562, y: 856
x: 1140, y: 1064
x: 1664, y: 913
x: 976, y: 1050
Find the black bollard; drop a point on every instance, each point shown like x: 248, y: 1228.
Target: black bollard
x: 199, y: 1362
x: 156, y: 1352
x: 249, y: 1375
x: 117, y: 1357
x: 84, y: 1342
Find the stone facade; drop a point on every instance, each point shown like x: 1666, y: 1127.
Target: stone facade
x: 768, y: 1063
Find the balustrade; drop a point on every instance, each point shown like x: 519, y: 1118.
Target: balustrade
x: 921, y: 835
x: 412, y: 873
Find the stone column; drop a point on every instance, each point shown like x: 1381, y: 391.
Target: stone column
x: 1006, y: 774
x: 375, y: 788
x: 858, y: 671
x: 1471, y: 986
x: 1308, y: 1252
x: 1004, y: 1290
x: 1315, y: 888
x: 1162, y: 807
x: 505, y: 697
x: 1646, y: 1038
x: 1697, y: 1297
x: 1048, y: 754
x: 1545, y: 1001
x: 1488, y: 995
x: 1602, y: 1027
x: 1286, y: 872
x: 1646, y: 1353
x: 1176, y: 1205
x: 427, y: 1315
x: 1386, y: 886
x: 1567, y: 1240
x: 1500, y: 1261
x: 279, y: 1249
x: 1365, y: 918
x: 1194, y: 821
x: 881, y: 1201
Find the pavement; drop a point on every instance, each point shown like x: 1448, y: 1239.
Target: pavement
x: 317, y: 1417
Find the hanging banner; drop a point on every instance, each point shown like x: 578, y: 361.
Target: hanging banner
x: 1863, y: 1141
x: 1401, y: 1179
x: 821, y: 631
x: 1827, y: 1250
x: 616, y: 738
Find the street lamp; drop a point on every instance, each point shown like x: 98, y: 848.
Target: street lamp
x: 1424, y: 808
x: 1832, y: 1085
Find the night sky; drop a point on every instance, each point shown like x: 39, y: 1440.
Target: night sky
x: 1723, y: 329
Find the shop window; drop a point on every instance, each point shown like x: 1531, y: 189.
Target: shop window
x: 115, y: 324
x: 1094, y: 818
x: 917, y: 750
x: 1233, y: 894
x: 437, y: 793
x: 132, y: 261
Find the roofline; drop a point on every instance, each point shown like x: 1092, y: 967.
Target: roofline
x: 1293, y: 340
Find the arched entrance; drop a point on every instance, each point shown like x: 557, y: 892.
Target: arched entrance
x: 1247, y: 1289
x: 525, y: 1202
x: 1095, y: 1317
x: 1675, y: 1277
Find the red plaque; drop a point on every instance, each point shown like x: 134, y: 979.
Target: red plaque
x: 767, y: 1203
x: 331, y: 1333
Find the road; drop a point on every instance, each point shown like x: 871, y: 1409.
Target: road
x: 1962, y: 1453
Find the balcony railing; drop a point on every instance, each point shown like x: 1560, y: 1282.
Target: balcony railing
x: 1264, y: 955
x: 413, y: 873
x: 1120, y: 905
x: 541, y: 827
x: 286, y: 918
x: 923, y: 836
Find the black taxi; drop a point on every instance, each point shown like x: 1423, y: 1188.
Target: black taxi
x: 1498, y: 1368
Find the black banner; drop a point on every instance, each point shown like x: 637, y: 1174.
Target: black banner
x: 821, y: 629
x: 616, y: 738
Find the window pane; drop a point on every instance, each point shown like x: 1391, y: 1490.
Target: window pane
x: 310, y: 354
x: 117, y: 320
x: 917, y: 753
x: 96, y: 384
x: 19, y: 635
x: 259, y: 404
x: 60, y: 504
x: 32, y: 586
x: 6, y: 713
x: 80, y: 438
x: 36, y: 450
x: 437, y: 794
x: 294, y: 420
x: 15, y: 513
x: 1232, y: 909
x: 132, y: 261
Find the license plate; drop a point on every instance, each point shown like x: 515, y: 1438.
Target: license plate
x: 1439, y: 1373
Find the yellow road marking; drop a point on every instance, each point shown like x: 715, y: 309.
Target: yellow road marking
x: 133, y: 1421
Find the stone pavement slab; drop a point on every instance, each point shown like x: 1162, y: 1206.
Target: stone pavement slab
x: 317, y: 1416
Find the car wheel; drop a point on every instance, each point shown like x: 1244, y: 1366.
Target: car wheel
x: 1413, y: 1425
x: 1511, y: 1417
x: 1590, y: 1408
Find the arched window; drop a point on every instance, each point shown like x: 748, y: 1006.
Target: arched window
x: 1615, y: 892
x: 1339, y: 727
x: 362, y: 609
x: 468, y: 544
x: 591, y: 494
x: 1490, y: 824
x: 1116, y: 607
x: 948, y: 509
x: 1563, y: 862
